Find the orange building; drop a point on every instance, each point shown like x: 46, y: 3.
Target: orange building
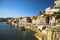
x: 34, y: 18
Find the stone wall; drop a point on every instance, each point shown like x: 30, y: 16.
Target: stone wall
x: 52, y: 34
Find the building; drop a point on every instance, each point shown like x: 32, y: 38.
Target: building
x: 51, y: 12
x: 25, y: 20
x: 41, y: 19
x: 57, y: 4
x: 58, y: 19
x: 34, y: 18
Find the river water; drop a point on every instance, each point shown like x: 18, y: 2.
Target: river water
x: 8, y: 32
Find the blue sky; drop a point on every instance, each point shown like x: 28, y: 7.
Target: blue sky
x: 18, y: 8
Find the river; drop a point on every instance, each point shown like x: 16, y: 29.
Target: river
x: 8, y: 32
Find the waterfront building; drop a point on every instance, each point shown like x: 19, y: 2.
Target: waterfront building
x: 10, y: 20
x: 51, y: 10
x: 51, y: 13
x: 57, y: 4
x: 58, y: 19
x: 16, y: 19
x: 41, y: 19
x: 34, y: 18
x: 26, y: 19
x: 52, y: 20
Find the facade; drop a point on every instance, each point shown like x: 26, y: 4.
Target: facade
x: 57, y: 4
x: 25, y: 20
x: 38, y: 20
x: 50, y: 10
x: 52, y: 20
x: 58, y: 19
x: 41, y: 19
x: 34, y: 20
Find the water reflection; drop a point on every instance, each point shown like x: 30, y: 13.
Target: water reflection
x: 8, y: 32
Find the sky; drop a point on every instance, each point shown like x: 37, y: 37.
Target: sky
x: 22, y: 8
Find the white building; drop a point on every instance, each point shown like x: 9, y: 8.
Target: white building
x: 52, y: 20
x: 24, y: 20
x: 50, y: 10
x: 41, y: 20
x: 57, y: 3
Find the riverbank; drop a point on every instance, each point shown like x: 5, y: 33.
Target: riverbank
x: 46, y: 34
x: 37, y: 31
